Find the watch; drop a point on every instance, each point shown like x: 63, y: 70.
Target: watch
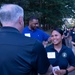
x: 66, y: 72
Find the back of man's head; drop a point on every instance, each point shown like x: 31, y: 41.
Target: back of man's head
x: 10, y: 12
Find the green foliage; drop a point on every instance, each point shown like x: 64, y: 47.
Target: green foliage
x: 48, y: 11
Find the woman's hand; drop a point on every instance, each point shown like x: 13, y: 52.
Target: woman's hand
x: 60, y: 72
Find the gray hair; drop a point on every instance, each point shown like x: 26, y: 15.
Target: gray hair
x: 10, y: 12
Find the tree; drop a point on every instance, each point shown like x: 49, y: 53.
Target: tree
x: 50, y: 12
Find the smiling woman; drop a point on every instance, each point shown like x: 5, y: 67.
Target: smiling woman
x: 57, y: 52
x: 56, y: 37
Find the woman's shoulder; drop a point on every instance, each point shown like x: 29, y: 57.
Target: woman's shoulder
x: 49, y: 47
x: 68, y: 50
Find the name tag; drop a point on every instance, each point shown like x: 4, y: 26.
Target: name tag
x: 51, y: 54
x: 27, y: 34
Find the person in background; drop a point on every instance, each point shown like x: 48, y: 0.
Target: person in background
x: 60, y: 55
x: 71, y: 30
x: 66, y: 36
x: 19, y: 55
x: 33, y: 31
x: 72, y: 36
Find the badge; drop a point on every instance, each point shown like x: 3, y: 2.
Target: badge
x: 51, y: 54
x: 64, y: 54
x: 27, y: 34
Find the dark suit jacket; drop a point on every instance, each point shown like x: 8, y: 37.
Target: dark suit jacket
x: 20, y: 55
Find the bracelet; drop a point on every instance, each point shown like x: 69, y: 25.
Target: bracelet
x: 66, y: 72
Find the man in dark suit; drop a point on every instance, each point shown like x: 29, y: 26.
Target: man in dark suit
x: 19, y: 55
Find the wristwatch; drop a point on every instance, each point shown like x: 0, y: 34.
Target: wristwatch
x: 66, y: 72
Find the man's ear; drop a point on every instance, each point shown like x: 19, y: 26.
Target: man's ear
x: 20, y: 20
x: 30, y: 22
